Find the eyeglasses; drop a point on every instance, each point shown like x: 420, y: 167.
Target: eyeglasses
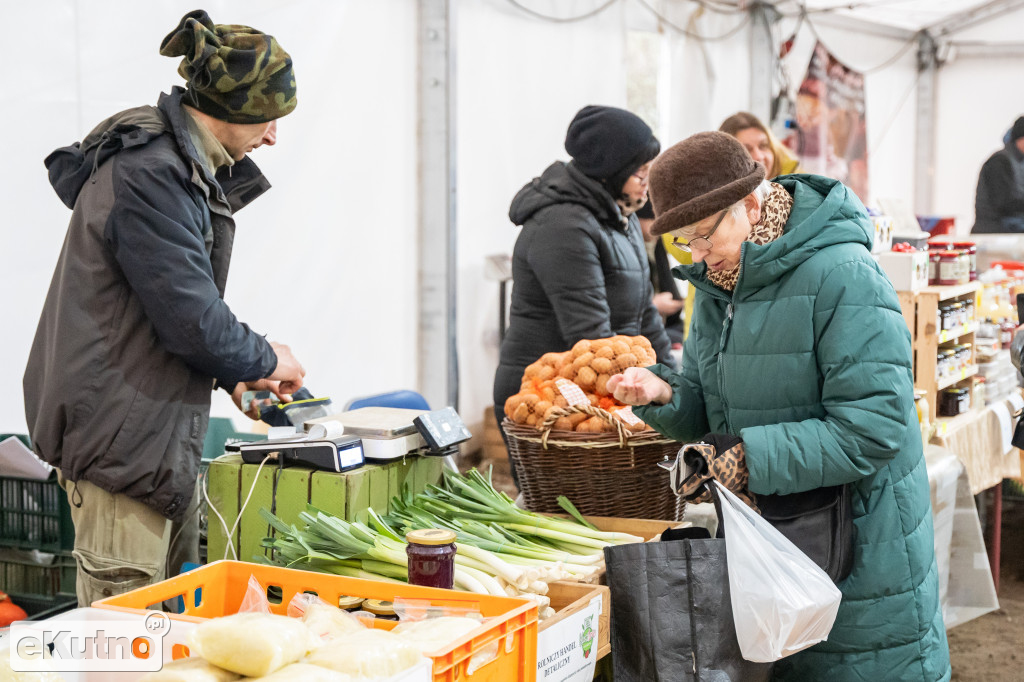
x: 702, y: 243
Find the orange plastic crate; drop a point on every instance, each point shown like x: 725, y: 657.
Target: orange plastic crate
x: 512, y: 623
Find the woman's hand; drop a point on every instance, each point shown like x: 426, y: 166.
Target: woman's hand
x: 666, y: 304
x: 639, y: 386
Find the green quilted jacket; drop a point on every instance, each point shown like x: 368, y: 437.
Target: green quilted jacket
x: 809, y: 362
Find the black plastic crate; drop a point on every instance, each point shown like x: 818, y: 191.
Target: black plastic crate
x: 35, y: 515
x: 21, y: 576
x: 38, y: 607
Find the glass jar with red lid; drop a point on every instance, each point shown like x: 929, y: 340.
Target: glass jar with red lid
x: 947, y: 271
x: 972, y: 254
x: 940, y: 244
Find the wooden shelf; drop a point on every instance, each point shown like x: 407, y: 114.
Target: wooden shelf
x: 956, y: 379
x: 946, y: 425
x: 921, y: 311
x: 955, y: 333
x: 953, y: 291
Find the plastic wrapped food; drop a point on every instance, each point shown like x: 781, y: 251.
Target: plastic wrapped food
x: 306, y: 672
x: 251, y: 644
x: 192, y: 669
x: 435, y: 633
x: 327, y: 623
x: 371, y: 653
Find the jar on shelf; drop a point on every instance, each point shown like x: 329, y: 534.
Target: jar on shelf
x: 955, y: 400
x: 946, y: 321
x: 969, y: 311
x: 971, y: 249
x: 933, y: 268
x: 959, y: 314
x: 979, y: 390
x: 1006, y: 330
x: 963, y: 357
x: 948, y: 271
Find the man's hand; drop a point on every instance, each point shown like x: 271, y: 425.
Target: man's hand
x: 288, y: 371
x: 260, y: 385
x: 639, y: 386
x: 667, y: 305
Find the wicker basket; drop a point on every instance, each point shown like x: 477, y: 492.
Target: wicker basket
x: 603, y: 474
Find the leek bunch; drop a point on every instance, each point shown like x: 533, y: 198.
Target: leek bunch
x: 501, y: 549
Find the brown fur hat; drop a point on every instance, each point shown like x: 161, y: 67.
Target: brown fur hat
x: 698, y: 177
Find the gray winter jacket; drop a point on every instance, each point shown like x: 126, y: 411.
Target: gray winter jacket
x: 134, y: 329
x: 578, y: 273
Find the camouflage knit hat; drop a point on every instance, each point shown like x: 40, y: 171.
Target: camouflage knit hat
x: 235, y: 73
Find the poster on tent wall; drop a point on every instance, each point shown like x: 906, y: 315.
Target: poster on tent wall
x: 831, y: 134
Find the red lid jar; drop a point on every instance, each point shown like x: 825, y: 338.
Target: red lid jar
x: 940, y: 244
x: 972, y: 252
x: 947, y: 271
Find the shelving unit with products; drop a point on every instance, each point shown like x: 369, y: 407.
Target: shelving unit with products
x: 942, y: 321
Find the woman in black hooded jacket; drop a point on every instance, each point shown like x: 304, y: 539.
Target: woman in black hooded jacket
x: 579, y: 267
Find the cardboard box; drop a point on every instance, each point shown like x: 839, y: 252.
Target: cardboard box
x: 570, y: 643
x: 882, y: 242
x: 906, y: 271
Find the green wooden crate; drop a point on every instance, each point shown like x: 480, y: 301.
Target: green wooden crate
x: 343, y: 494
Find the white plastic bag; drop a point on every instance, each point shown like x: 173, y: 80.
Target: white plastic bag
x: 782, y: 602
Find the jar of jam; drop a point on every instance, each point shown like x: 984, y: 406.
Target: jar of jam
x: 946, y: 320
x: 959, y: 314
x: 933, y: 268
x: 948, y: 270
x: 979, y: 390
x: 940, y: 244
x: 954, y: 401
x: 431, y: 554
x: 971, y: 249
x: 347, y: 603
x: 385, y: 610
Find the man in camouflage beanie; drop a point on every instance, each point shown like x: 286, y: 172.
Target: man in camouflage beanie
x: 135, y: 330
x: 235, y: 73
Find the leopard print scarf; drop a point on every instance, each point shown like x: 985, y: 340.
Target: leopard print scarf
x: 628, y: 206
x: 775, y: 211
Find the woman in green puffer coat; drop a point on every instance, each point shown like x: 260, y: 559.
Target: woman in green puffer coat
x: 799, y: 353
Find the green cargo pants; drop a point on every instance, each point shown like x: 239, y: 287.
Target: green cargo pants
x: 121, y: 544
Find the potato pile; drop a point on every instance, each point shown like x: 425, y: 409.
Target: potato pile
x: 589, y: 365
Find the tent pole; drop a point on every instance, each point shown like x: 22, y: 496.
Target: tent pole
x: 437, y: 368
x: 764, y: 59
x: 924, y: 153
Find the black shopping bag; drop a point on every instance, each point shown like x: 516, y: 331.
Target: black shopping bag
x: 671, y: 617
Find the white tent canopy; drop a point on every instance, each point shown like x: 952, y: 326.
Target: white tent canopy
x: 414, y: 130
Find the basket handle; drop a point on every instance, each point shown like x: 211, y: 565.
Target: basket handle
x: 559, y: 412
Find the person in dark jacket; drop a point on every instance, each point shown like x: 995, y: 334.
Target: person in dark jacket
x: 797, y: 376
x: 999, y: 202
x: 135, y: 332
x: 579, y: 266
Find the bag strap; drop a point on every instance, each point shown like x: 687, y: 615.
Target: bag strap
x: 712, y: 487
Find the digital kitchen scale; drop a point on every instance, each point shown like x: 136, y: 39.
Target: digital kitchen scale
x: 387, y: 432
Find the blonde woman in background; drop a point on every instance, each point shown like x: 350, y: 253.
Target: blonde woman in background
x: 762, y: 146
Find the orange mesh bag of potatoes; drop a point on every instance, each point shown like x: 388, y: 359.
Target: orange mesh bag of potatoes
x: 589, y: 365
